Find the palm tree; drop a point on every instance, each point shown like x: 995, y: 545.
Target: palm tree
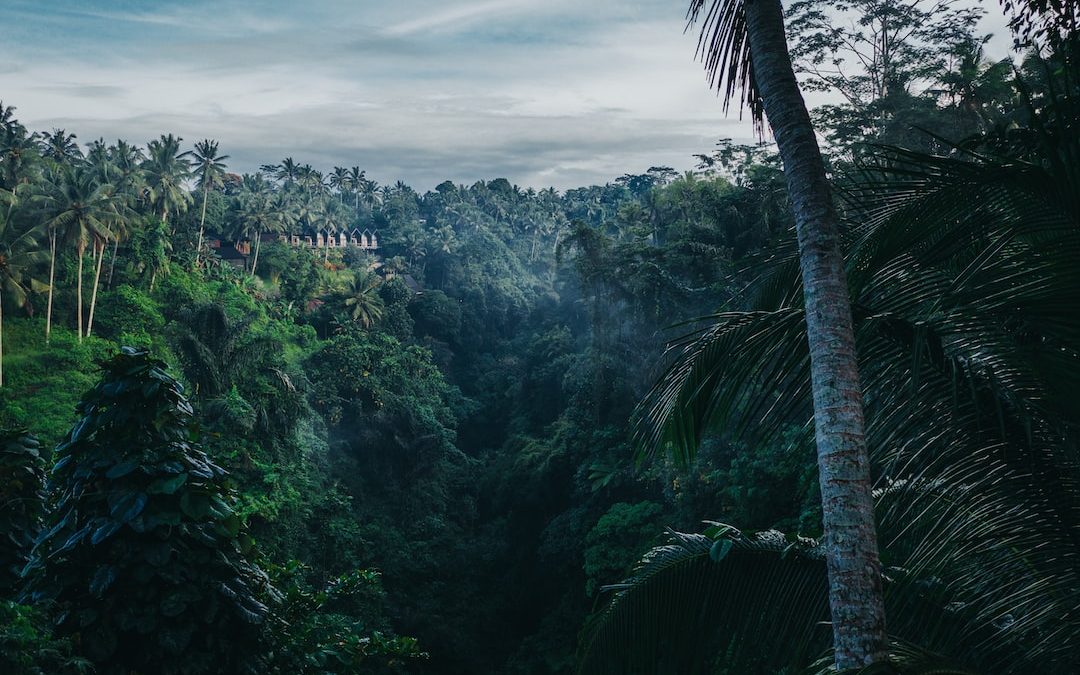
x: 165, y: 170
x: 20, y: 152
x: 357, y: 182
x: 99, y: 240
x: 7, y: 115
x: 77, y: 211
x: 362, y: 296
x: 99, y: 159
x: 287, y: 172
x: 210, y: 170
x: 129, y: 187
x: 217, y: 353
x: 962, y: 270
x: 743, y: 45
x: 339, y: 180
x: 19, y: 253
x: 258, y: 211
x: 60, y: 146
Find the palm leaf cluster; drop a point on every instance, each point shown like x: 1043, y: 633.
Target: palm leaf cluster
x: 965, y: 293
x: 729, y: 602
x: 690, y: 603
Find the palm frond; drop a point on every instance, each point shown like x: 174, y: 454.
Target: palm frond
x: 738, y: 604
x: 724, y: 49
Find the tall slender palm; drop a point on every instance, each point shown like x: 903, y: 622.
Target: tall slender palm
x: 210, y: 169
x: 19, y: 253
x: 130, y: 186
x: 744, y: 47
x: 339, y: 180
x: 963, y: 272
x: 77, y: 211
x: 165, y: 169
x: 357, y: 182
x: 259, y: 210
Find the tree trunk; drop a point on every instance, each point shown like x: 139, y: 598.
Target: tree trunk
x: 202, y: 222
x: 52, y: 277
x: 1, y: 338
x: 855, y: 593
x: 255, y: 261
x: 100, y: 249
x: 112, y: 261
x: 82, y: 251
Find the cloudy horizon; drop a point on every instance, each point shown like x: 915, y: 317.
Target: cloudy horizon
x: 545, y: 93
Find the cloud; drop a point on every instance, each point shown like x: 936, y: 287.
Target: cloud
x: 463, y: 15
x: 543, y: 92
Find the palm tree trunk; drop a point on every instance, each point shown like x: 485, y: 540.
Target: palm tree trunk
x: 202, y: 222
x: 112, y: 261
x: 82, y: 251
x: 255, y: 262
x: 855, y: 593
x: 100, y: 248
x: 52, y: 277
x: 1, y: 338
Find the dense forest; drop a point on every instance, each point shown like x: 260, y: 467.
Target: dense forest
x: 295, y: 421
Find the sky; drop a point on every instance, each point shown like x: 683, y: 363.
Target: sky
x: 545, y: 93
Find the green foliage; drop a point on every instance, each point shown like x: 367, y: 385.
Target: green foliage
x: 722, y: 602
x: 142, y: 553
x: 130, y: 316
x: 311, y: 639
x: 27, y: 647
x: 472, y: 441
x: 613, y: 544
x: 22, y: 494
x: 43, y: 382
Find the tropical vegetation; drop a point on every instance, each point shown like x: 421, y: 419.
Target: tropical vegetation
x: 804, y: 408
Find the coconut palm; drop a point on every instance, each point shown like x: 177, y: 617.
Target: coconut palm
x: 7, y: 115
x: 165, y: 169
x: 77, y: 211
x: 20, y: 153
x: 287, y: 172
x: 356, y: 182
x: 257, y: 211
x: 60, y: 146
x: 210, y: 170
x: 363, y: 299
x: 128, y: 186
x: 99, y: 159
x: 962, y: 273
x: 339, y: 180
x: 310, y: 179
x: 19, y: 254
x: 745, y: 50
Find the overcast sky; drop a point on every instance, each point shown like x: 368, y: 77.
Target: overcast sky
x: 544, y: 92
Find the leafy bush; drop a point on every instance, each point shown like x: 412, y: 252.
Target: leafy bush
x: 27, y: 648
x: 615, y: 543
x: 310, y: 638
x: 129, y: 316
x: 22, y: 477
x: 143, y: 554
